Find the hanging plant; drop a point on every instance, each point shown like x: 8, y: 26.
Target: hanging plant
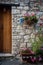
x: 30, y: 18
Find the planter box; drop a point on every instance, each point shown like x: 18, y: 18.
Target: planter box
x: 31, y: 58
x: 27, y: 57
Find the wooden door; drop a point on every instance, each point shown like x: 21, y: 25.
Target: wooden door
x: 6, y: 30
x: 1, y: 31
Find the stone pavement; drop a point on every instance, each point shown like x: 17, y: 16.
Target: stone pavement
x: 15, y: 61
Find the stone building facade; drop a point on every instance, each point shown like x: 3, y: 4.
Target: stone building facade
x: 20, y: 35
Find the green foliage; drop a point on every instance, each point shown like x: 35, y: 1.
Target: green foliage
x: 26, y: 18
x: 39, y: 51
x: 34, y: 18
x: 35, y: 46
x: 37, y: 43
x: 31, y: 18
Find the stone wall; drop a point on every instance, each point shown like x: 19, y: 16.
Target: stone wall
x: 20, y: 35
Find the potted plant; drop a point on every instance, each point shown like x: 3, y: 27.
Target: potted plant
x: 26, y: 53
x: 39, y: 54
x: 30, y: 18
x: 36, y: 45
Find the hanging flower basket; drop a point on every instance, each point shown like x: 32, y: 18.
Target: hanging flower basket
x: 30, y: 18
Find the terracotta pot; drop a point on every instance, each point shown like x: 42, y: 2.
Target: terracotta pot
x: 28, y: 22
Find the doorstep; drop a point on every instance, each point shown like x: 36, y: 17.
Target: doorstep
x: 6, y: 55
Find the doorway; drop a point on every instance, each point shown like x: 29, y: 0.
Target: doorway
x: 5, y: 29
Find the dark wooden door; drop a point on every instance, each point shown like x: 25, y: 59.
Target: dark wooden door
x: 1, y: 31
x: 5, y: 30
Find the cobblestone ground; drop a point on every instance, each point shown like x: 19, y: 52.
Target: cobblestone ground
x: 15, y: 61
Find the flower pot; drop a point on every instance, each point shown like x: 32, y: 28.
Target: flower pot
x: 29, y: 23
x: 26, y: 57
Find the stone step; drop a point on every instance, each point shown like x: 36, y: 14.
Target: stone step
x: 4, y: 56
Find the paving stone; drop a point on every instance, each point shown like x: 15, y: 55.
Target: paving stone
x: 16, y: 61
